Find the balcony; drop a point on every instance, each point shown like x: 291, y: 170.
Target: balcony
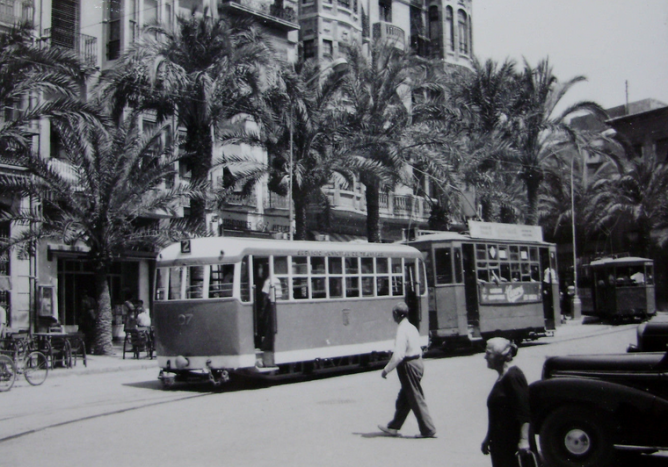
x: 385, y: 31
x: 274, y: 201
x: 83, y: 45
x: 275, y: 14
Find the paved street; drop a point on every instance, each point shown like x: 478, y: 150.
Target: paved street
x: 125, y: 418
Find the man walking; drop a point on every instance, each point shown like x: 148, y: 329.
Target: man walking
x: 407, y: 359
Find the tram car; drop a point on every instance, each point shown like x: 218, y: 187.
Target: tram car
x: 497, y: 280
x: 270, y: 307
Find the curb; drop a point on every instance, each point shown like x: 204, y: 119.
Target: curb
x: 114, y: 368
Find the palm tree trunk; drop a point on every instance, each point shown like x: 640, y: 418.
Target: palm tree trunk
x: 199, y: 144
x: 532, y: 185
x: 103, y: 344
x: 300, y: 202
x: 372, y: 212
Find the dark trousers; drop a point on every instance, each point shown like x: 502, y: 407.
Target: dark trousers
x: 411, y: 397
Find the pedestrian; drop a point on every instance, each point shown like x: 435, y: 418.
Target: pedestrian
x: 88, y: 320
x: 407, y: 359
x: 507, y: 406
x: 143, y: 317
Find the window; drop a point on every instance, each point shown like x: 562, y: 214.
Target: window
x: 281, y: 273
x: 150, y: 12
x: 327, y: 48
x: 385, y: 10
x: 161, y: 275
x: 300, y: 283
x: 244, y: 282
x: 661, y: 150
x: 114, y: 40
x: 449, y: 28
x: 195, y: 282
x: 463, y: 32
x: 221, y: 280
x: 345, y: 3
x: 175, y: 284
x: 309, y: 49
x: 443, y: 260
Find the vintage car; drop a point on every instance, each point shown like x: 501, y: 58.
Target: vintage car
x: 591, y: 410
x: 652, y: 335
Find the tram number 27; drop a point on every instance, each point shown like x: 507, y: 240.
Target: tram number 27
x: 184, y: 320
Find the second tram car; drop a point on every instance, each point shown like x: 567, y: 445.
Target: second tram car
x: 499, y: 280
x: 325, y: 305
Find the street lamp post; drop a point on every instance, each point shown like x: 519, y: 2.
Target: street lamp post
x: 339, y: 65
x: 577, y: 304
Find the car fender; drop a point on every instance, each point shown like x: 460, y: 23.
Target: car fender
x: 627, y: 408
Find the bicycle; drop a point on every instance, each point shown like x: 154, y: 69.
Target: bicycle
x: 33, y: 364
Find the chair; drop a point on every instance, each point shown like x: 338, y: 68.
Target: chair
x: 137, y: 341
x: 77, y: 342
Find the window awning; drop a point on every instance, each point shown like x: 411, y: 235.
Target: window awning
x: 337, y: 237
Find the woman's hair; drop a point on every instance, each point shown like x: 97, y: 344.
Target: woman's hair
x: 503, y: 347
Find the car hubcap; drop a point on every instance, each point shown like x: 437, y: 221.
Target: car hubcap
x: 577, y: 442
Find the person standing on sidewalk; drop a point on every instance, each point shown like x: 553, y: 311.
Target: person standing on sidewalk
x: 407, y: 359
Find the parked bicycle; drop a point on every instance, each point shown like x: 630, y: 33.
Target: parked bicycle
x: 17, y: 357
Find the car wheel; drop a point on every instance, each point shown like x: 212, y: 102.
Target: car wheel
x: 575, y: 436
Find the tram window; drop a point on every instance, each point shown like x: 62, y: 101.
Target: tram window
x: 335, y: 287
x: 505, y: 272
x: 533, y: 254
x: 300, y: 288
x: 503, y: 252
x: 299, y: 265
x: 383, y: 286
x: 514, y: 253
x: 221, y: 280
x: 175, y: 283
x: 245, y: 280
x: 397, y: 285
x: 161, y: 283
x: 352, y: 286
x: 481, y: 252
x: 334, y: 265
x: 458, y: 266
x: 367, y: 286
x: 492, y: 252
x: 494, y: 273
x: 317, y: 265
x: 280, y: 264
x: 195, y: 282
x: 515, y: 272
x: 524, y: 253
x: 649, y: 276
x: 381, y: 266
x: 535, y: 273
x: 367, y: 265
x: 443, y: 260
x: 396, y: 266
x: 352, y: 265
x: 318, y: 287
x: 483, y: 275
x: 526, y: 275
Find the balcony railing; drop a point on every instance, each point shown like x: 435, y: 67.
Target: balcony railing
x: 236, y: 199
x: 389, y: 32
x: 274, y: 201
x: 83, y: 45
x: 267, y: 10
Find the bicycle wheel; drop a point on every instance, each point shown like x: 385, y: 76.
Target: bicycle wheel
x: 7, y: 373
x: 35, y: 368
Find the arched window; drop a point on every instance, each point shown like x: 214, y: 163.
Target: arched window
x: 449, y: 28
x: 435, y: 31
x: 463, y: 32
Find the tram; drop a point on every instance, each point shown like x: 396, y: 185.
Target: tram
x: 329, y: 306
x: 618, y: 288
x: 497, y: 280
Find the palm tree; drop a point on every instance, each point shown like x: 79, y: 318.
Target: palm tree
x: 28, y: 72
x: 107, y: 181
x: 205, y: 72
x: 307, y: 120
x: 378, y: 92
x: 537, y: 132
x: 636, y: 197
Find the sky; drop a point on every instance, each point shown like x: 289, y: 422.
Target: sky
x: 609, y: 42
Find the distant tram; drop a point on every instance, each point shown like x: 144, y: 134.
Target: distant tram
x: 618, y: 288
x: 330, y: 305
x: 498, y: 280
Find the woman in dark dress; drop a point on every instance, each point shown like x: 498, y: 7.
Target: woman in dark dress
x: 507, y: 405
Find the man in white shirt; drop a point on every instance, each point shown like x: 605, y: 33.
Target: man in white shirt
x: 407, y: 359
x: 143, y: 318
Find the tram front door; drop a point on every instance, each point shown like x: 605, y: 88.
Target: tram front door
x: 471, y: 288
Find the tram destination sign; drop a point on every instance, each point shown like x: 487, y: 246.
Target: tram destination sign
x: 498, y: 231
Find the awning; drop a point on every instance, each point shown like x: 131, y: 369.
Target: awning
x: 337, y: 237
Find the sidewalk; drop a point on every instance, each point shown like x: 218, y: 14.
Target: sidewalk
x: 106, y: 364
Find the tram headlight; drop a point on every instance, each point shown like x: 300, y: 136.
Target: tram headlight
x: 181, y: 362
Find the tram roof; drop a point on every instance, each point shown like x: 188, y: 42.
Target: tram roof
x: 625, y: 261
x: 450, y: 236
x: 210, y: 250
